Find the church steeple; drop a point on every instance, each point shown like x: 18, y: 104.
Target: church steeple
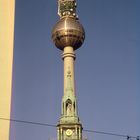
x: 69, y: 107
x: 68, y: 35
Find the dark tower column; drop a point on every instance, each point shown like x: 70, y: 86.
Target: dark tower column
x: 68, y: 35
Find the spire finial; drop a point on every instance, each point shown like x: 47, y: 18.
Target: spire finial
x: 69, y: 85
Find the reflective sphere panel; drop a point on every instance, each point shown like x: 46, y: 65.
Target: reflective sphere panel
x: 68, y: 32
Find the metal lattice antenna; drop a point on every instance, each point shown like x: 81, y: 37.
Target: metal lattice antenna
x: 67, y: 8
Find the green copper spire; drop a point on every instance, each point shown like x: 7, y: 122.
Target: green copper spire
x: 69, y: 126
x: 69, y: 106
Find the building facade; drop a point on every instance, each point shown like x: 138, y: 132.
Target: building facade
x: 7, y: 10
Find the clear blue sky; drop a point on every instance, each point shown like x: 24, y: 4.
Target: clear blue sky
x: 107, y: 69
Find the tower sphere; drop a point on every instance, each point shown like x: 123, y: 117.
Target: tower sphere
x: 68, y: 32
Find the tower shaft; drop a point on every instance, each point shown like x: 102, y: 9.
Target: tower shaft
x: 68, y: 35
x: 69, y: 126
x: 68, y: 57
x: 69, y: 104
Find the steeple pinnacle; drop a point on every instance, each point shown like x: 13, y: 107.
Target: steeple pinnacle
x: 69, y: 88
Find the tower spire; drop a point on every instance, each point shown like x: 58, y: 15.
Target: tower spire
x: 68, y: 35
x: 67, y: 8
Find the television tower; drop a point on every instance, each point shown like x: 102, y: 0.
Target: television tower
x: 68, y: 35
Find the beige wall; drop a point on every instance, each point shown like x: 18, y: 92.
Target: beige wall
x: 6, y: 58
